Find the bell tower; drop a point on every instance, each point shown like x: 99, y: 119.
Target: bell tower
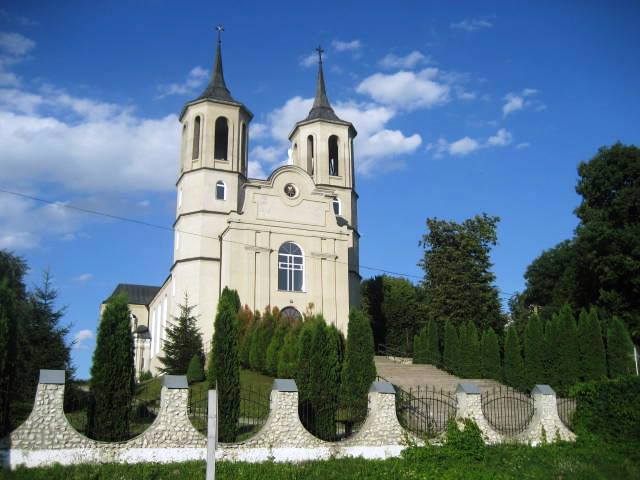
x: 213, y: 169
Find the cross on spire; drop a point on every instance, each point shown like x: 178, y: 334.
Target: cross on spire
x: 220, y: 29
x: 320, y: 52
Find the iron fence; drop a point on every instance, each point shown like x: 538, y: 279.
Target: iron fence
x: 424, y: 410
x: 254, y: 410
x: 507, y: 410
x: 329, y: 423
x: 566, y: 409
x: 142, y: 413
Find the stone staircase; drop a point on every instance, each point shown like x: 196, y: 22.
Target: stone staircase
x: 406, y: 375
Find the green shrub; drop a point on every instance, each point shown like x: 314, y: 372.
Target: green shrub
x: 359, y: 366
x: 593, y: 360
x: 513, y: 370
x: 473, y: 366
x: 419, y: 347
x: 112, y: 374
x: 273, y: 351
x: 261, y: 339
x: 145, y: 376
x: 534, y: 352
x: 619, y: 349
x: 567, y: 358
x: 224, y: 365
x: 490, y: 353
x: 288, y: 355
x: 609, y: 408
x: 433, y: 344
x: 195, y: 372
x: 465, y: 442
x: 450, y: 355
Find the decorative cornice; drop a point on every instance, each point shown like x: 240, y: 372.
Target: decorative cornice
x: 192, y: 259
x: 255, y: 248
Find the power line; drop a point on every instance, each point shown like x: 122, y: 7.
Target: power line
x: 121, y: 218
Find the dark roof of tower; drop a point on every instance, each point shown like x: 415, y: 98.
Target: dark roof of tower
x: 217, y: 88
x: 321, y: 107
x: 137, y: 294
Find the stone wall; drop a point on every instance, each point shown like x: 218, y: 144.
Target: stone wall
x: 46, y: 437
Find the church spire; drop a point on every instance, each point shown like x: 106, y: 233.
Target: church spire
x: 217, y: 88
x: 321, y: 107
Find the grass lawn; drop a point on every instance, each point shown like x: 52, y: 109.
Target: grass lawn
x: 584, y: 460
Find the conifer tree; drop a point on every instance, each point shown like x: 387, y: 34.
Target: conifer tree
x: 261, y: 340
x: 419, y: 347
x: 619, y: 349
x: 288, y: 355
x: 183, y: 341
x: 433, y: 344
x: 463, y: 351
x: 5, y: 339
x: 450, y: 355
x: 195, y: 372
x: 224, y: 365
x: 490, y: 355
x: 593, y: 361
x: 513, y: 364
x: 359, y: 366
x: 534, y: 352
x: 273, y: 351
x: 335, y: 336
x: 553, y: 343
x: 568, y: 359
x: 246, y: 323
x: 474, y: 367
x: 112, y: 374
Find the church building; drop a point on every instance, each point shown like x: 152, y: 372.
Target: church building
x: 290, y: 241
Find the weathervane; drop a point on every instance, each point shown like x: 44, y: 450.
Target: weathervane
x: 320, y: 52
x: 219, y: 29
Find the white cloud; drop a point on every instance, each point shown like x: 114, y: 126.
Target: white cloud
x: 352, y: 46
x: 501, y: 138
x: 522, y: 145
x: 270, y: 154
x: 257, y: 130
x: 255, y: 170
x: 407, y: 90
x: 15, y: 44
x: 310, y: 60
x: 409, y: 61
x: 195, y: 79
x: 81, y: 338
x: 467, y: 145
x: 518, y: 101
x: 83, y: 277
x: 471, y: 24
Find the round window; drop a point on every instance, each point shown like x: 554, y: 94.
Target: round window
x: 290, y: 190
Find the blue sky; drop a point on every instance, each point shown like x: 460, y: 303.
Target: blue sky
x: 461, y: 108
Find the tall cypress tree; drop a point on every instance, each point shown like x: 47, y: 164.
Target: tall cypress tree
x: 463, y: 351
x: 450, y: 355
x: 359, y: 366
x: 224, y: 364
x: 553, y: 351
x: 568, y: 359
x: 534, y: 352
x: 513, y: 364
x: 433, y: 344
x: 419, y: 347
x: 288, y: 355
x: 593, y: 361
x: 490, y: 355
x: 619, y: 349
x: 474, y: 365
x: 273, y: 351
x: 112, y: 374
x: 183, y: 342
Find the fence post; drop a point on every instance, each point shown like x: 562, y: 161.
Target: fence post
x: 470, y: 406
x: 212, y: 434
x: 546, y: 417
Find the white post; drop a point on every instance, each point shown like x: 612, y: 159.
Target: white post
x: 635, y: 356
x: 212, y: 434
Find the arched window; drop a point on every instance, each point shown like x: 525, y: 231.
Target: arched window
x: 291, y: 314
x: 310, y: 154
x: 243, y: 150
x: 337, y: 206
x: 221, y: 139
x: 290, y: 268
x: 196, y: 138
x: 333, y: 155
x: 221, y: 190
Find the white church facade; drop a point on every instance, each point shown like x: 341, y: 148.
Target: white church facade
x: 290, y: 241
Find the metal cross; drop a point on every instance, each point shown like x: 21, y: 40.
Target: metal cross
x: 219, y: 29
x: 320, y: 52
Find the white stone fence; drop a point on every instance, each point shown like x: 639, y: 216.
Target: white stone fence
x: 46, y: 437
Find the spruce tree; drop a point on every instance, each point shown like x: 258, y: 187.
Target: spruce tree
x: 225, y: 365
x: 359, y: 365
x: 195, y: 372
x: 534, y: 352
x: 513, y: 364
x: 450, y: 355
x: 288, y: 355
x: 619, y: 349
x: 490, y: 349
x: 593, y: 360
x: 183, y: 341
x: 112, y: 374
x: 568, y: 359
x: 433, y: 356
x: 273, y: 351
